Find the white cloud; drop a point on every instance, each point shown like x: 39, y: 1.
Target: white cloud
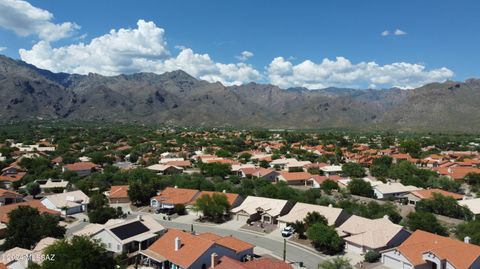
x: 134, y: 50
x: 2, y: 48
x: 144, y: 49
x: 25, y: 19
x: 342, y: 73
x: 399, y: 32
x: 385, y: 33
x: 245, y: 55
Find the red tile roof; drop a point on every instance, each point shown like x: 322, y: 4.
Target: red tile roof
x: 80, y: 166
x: 461, y: 255
x: 119, y: 191
x: 13, y: 177
x: 295, y: 176
x: 427, y: 194
x: 176, y: 196
x: 4, y: 210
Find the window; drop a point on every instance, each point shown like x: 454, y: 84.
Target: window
x: 109, y: 245
x: 118, y: 247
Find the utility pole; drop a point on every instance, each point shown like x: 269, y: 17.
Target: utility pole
x: 284, y: 249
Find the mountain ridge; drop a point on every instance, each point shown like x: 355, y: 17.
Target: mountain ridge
x: 30, y: 93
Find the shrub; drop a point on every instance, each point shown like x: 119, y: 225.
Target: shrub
x: 372, y: 256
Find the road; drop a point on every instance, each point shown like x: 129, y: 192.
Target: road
x: 294, y: 253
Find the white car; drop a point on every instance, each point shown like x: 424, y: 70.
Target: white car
x: 288, y: 231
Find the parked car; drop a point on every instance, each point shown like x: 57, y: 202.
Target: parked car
x: 287, y: 231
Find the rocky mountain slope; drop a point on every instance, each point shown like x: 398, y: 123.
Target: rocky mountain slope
x: 29, y: 93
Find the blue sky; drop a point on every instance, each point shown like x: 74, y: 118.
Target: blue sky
x: 206, y: 38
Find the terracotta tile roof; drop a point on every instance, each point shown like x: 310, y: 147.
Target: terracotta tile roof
x: 176, y: 196
x: 427, y: 194
x: 459, y: 254
x: 118, y: 191
x: 234, y: 244
x: 80, y: 166
x: 263, y: 263
x: 231, y: 197
x: 458, y: 172
x: 192, y: 247
x: 186, y: 163
x: 294, y: 176
x: 13, y: 177
x: 4, y: 210
x: 8, y: 193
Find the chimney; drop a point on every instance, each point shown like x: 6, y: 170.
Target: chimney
x: 224, y: 191
x: 139, y: 217
x: 176, y: 187
x: 214, y: 260
x: 386, y: 217
x: 330, y: 205
x: 178, y: 243
x: 467, y: 239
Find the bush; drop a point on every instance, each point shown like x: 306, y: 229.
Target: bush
x: 372, y: 256
x: 179, y: 209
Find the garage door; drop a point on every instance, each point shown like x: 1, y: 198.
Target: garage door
x: 282, y: 225
x: 354, y: 248
x: 243, y: 218
x: 392, y: 263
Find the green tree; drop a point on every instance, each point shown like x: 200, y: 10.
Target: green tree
x: 213, y: 207
x: 77, y: 253
x: 328, y: 185
x: 325, y: 238
x: 372, y: 256
x: 353, y: 170
x: 360, y: 187
x: 470, y: 229
x: 140, y: 192
x: 103, y: 214
x: 444, y: 205
x: 33, y: 188
x: 425, y: 221
x: 335, y: 263
x: 244, y: 157
x: 27, y: 226
x: 215, y: 169
x: 300, y: 228
x: 314, y: 217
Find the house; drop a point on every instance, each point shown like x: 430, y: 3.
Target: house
x: 169, y: 197
x: 182, y: 250
x: 294, y: 178
x: 266, y: 173
x: 457, y: 172
x: 331, y: 170
x: 9, y: 197
x: 392, y: 190
x: 50, y: 185
x: 415, y: 196
x: 67, y: 203
x: 10, y: 175
x: 118, y: 194
x: 80, y: 168
x: 362, y: 234
x: 262, y: 209
x: 125, y: 236
x: 473, y: 205
x: 317, y: 180
x: 335, y: 216
x: 166, y: 169
x: 20, y: 258
x: 426, y: 250
x: 263, y: 263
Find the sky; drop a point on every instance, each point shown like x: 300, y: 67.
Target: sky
x: 311, y: 44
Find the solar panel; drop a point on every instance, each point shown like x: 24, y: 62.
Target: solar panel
x: 129, y: 230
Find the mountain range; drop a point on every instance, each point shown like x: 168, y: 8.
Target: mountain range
x: 29, y: 93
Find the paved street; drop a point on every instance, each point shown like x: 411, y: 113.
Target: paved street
x: 294, y: 253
